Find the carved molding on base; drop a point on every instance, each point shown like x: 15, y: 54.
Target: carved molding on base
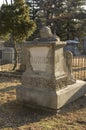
x: 63, y: 82
x: 48, y: 83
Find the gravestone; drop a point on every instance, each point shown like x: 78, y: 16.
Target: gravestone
x: 7, y: 55
x: 48, y: 80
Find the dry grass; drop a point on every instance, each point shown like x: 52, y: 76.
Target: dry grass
x: 8, y: 67
x: 14, y: 116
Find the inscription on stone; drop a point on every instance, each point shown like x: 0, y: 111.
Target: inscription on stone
x: 38, y: 58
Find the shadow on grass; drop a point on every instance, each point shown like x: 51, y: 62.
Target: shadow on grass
x: 13, y: 114
x: 78, y: 104
x: 9, y: 78
x: 7, y: 89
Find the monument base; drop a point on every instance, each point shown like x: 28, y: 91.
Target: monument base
x: 51, y: 99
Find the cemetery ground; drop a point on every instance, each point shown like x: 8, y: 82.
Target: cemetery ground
x: 15, y: 116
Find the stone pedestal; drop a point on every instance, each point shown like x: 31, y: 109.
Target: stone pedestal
x: 51, y: 99
x: 47, y: 81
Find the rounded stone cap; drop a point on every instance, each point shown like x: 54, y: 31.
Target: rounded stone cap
x: 45, y: 32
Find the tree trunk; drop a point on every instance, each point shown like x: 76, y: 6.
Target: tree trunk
x: 6, y: 2
x: 68, y: 31
x: 15, y: 56
x: 11, y: 2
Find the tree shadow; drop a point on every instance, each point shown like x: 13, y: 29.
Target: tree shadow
x: 8, y: 89
x: 13, y: 114
x: 4, y: 79
x: 78, y: 104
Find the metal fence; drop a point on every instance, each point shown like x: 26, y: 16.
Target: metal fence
x: 7, y: 61
x: 79, y: 67
x: 78, y: 64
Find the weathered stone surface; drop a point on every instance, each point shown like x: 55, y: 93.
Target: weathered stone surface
x: 38, y: 81
x: 47, y: 69
x: 45, y: 33
x: 48, y: 79
x: 51, y: 99
x: 71, y: 93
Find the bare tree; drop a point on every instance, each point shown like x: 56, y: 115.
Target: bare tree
x: 6, y: 2
x: 11, y: 2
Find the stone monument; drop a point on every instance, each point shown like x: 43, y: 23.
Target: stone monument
x: 48, y: 80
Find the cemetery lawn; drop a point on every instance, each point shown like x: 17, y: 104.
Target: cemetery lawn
x: 14, y: 116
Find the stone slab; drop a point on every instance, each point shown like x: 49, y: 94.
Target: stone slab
x: 51, y: 99
x: 71, y: 93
